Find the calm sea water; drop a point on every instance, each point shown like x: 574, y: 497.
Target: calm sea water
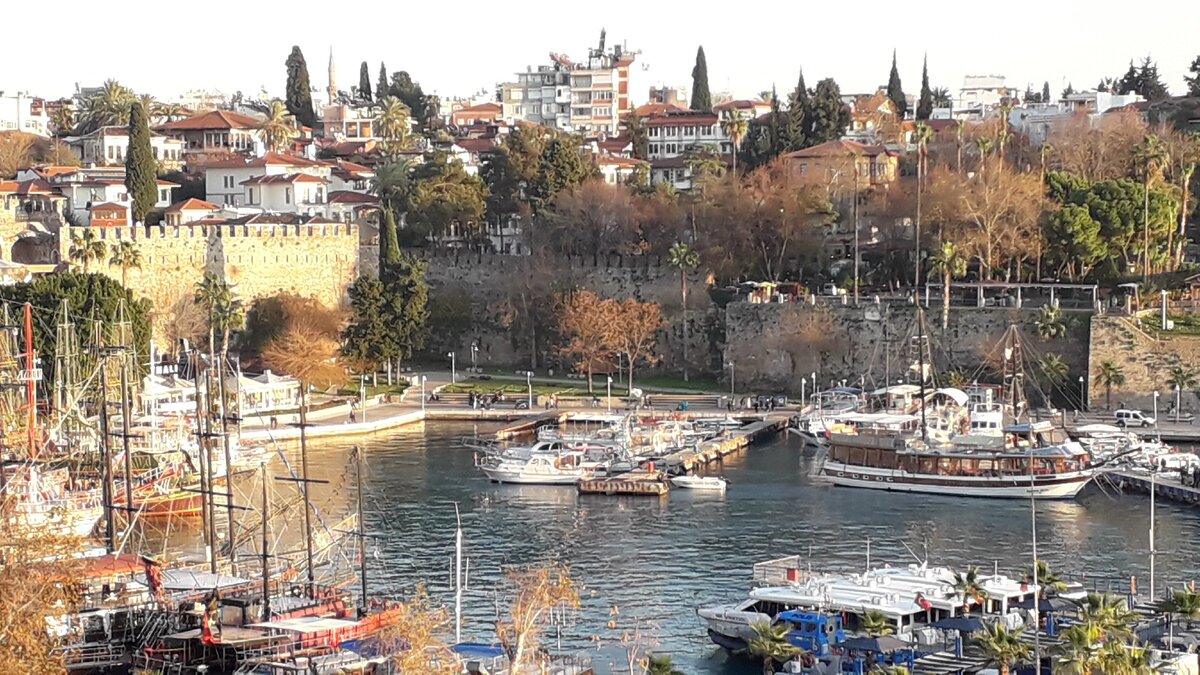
x: 658, y: 559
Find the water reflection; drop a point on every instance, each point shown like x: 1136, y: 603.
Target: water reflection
x: 658, y: 559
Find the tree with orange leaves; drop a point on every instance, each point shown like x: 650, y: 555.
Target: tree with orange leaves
x: 414, y: 637
x: 536, y: 594
x: 38, y: 574
x: 583, y: 319
x: 632, y: 331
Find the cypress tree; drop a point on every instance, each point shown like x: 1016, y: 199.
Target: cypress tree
x: 895, y: 91
x: 364, y: 82
x: 141, y: 170
x: 701, y: 96
x: 925, y: 102
x: 829, y: 116
x: 1046, y: 92
x: 778, y: 127
x: 389, y: 242
x: 381, y: 85
x: 797, y: 124
x: 299, y: 90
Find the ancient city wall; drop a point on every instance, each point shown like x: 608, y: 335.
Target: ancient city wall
x: 1144, y: 359
x: 258, y: 260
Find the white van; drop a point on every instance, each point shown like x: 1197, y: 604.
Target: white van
x: 1134, y: 418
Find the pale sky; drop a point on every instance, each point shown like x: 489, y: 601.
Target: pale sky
x: 459, y: 47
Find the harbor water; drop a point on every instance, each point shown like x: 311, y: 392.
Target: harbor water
x: 651, y: 561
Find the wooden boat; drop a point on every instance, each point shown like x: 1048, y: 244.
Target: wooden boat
x: 710, y: 483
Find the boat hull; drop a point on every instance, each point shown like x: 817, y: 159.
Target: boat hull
x: 526, y: 478
x: 1060, y: 486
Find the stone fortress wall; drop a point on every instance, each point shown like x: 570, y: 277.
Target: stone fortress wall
x: 319, y: 260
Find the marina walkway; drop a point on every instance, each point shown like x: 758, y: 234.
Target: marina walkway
x: 1166, y: 484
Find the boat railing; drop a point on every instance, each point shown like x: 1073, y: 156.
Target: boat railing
x: 782, y: 571
x: 867, y: 438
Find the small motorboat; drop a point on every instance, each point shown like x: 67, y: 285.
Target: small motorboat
x: 715, y: 483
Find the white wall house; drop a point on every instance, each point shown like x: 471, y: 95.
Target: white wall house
x: 87, y: 188
x: 589, y: 95
x: 107, y: 146
x: 21, y: 112
x: 287, y: 193
x: 225, y: 180
x: 672, y: 135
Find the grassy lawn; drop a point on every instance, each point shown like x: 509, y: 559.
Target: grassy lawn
x: 496, y: 387
x: 380, y: 389
x: 676, y: 382
x: 1185, y: 324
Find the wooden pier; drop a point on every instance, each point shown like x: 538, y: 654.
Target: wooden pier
x: 1166, y: 485
x: 529, y: 425
x: 636, y: 483
x: 714, y: 450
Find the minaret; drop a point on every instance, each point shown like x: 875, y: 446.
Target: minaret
x: 332, y: 79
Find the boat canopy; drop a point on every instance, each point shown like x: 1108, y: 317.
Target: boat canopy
x: 846, y: 390
x: 306, y: 624
x: 1098, y: 429
x: 188, y: 580
x: 957, y: 395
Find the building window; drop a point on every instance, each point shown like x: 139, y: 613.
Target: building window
x: 287, y: 195
x: 654, y: 132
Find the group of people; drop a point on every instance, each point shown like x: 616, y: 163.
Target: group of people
x: 483, y: 401
x: 1190, y: 475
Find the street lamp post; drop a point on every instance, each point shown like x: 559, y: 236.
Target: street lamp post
x: 422, y: 379
x: 529, y: 386
x: 803, y: 382
x: 1157, y: 433
x: 474, y: 355
x: 362, y: 395
x: 609, y: 396
x: 453, y: 367
x: 1082, y: 393
x: 732, y: 378
x: 1177, y: 393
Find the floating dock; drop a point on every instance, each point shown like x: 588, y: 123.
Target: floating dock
x: 1166, y: 485
x: 735, y: 440
x: 638, y: 483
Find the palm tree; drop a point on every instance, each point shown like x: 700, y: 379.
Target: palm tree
x: 968, y: 586
x: 1005, y: 109
x: 1045, y: 150
x: 392, y: 124
x: 278, y: 127
x: 1050, y: 323
x: 947, y: 264
x: 770, y: 644
x: 214, y: 295
x: 1150, y: 156
x: 109, y: 106
x: 1118, y: 658
x: 391, y: 182
x: 1182, y: 603
x: 876, y: 623
x: 126, y: 256
x: 1047, y: 578
x: 661, y: 665
x: 1078, y: 652
x: 86, y: 248
x: 735, y: 127
x: 1181, y: 378
x: 985, y: 146
x: 922, y: 135
x: 959, y: 125
x: 1002, y: 646
x: 683, y: 258
x: 1108, y: 614
x: 63, y: 122
x: 169, y: 111
x: 1109, y: 375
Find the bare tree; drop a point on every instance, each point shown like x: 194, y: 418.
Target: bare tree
x: 536, y: 594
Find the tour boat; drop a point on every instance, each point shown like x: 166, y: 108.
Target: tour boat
x: 711, y: 483
x: 1031, y: 460
x: 43, y: 499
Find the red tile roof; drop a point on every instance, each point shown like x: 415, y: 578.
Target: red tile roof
x: 166, y: 183
x: 481, y: 108
x: 350, y: 197
x: 216, y: 119
x: 52, y: 171
x: 269, y: 159
x: 656, y: 109
x: 681, y: 118
x: 36, y: 186
x: 106, y: 206
x: 839, y: 148
x: 475, y: 145
x: 284, y: 178
x: 192, y: 204
x: 620, y: 161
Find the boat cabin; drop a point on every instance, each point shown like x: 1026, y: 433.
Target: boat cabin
x: 898, y: 398
x: 814, y: 632
x: 880, y: 452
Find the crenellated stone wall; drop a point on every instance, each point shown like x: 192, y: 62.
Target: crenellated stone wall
x: 1145, y: 360
x: 319, y: 260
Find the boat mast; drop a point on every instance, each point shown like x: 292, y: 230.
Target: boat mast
x: 228, y: 459
x: 124, y: 347
x: 304, y: 481
x: 266, y: 542
x: 921, y: 369
x: 362, y: 532
x: 205, y: 475
x: 106, y: 466
x: 30, y: 381
x: 1037, y: 643
x: 458, y: 579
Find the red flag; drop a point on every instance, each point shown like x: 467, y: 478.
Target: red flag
x: 923, y: 602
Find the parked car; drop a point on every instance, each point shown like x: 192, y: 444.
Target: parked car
x: 1134, y: 418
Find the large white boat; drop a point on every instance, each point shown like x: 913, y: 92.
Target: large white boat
x: 566, y: 467
x: 43, y: 499
x: 909, y: 597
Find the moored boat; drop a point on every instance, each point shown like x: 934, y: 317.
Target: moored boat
x: 710, y: 483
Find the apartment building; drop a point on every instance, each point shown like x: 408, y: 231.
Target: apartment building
x: 674, y: 135
x: 585, y: 96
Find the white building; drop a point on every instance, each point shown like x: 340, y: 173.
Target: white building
x: 228, y: 182
x: 97, y: 196
x: 21, y: 112
x: 107, y: 146
x: 672, y: 136
x: 983, y: 92
x: 585, y: 96
x: 1037, y: 120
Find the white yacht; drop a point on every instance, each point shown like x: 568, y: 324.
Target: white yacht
x: 561, y: 467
